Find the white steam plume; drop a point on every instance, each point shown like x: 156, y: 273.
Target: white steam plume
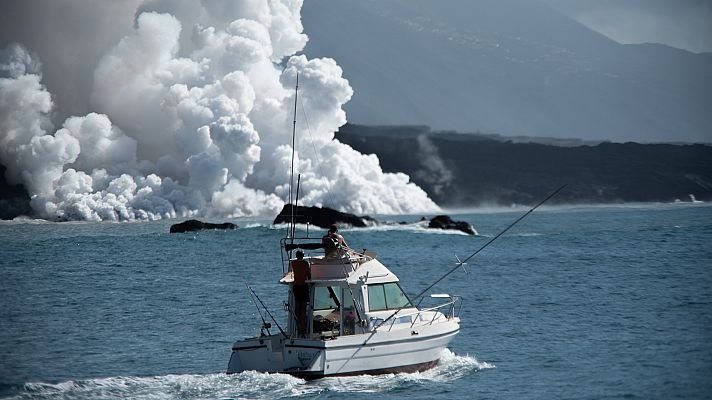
x: 434, y: 169
x: 193, y: 123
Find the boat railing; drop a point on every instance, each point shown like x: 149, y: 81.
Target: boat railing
x: 455, y: 305
x: 288, y: 245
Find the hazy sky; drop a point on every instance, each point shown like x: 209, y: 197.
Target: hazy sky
x: 70, y: 36
x: 686, y: 24
x: 89, y: 28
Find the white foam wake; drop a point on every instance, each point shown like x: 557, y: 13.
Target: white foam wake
x: 411, y: 227
x: 254, y: 385
x: 451, y: 367
x: 415, y: 227
x: 212, y: 386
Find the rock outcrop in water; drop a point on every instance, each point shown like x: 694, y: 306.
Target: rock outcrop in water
x: 14, y: 200
x: 445, y: 222
x: 322, y: 217
x: 192, y: 225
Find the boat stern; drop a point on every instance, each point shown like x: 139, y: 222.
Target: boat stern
x: 277, y: 354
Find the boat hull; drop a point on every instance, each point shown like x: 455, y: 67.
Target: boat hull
x: 409, y: 349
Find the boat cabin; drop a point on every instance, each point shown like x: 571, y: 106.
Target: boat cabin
x: 347, y: 295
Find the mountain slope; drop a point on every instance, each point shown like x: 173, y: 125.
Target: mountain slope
x: 469, y: 169
x: 515, y: 67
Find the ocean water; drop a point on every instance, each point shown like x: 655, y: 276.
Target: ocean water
x: 574, y: 302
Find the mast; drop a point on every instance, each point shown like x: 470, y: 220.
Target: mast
x: 291, y: 175
x: 296, y: 205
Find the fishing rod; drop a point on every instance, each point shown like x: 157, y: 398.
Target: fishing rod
x: 462, y: 263
x: 267, y: 311
x: 265, y: 325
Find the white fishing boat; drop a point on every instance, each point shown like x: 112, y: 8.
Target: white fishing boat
x: 346, y: 314
x: 358, y: 320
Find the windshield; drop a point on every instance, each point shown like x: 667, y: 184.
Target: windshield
x: 387, y: 296
x: 326, y: 298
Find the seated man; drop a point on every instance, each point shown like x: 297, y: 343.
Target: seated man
x: 333, y: 242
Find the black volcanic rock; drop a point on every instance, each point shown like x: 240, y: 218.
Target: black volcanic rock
x: 14, y: 200
x: 322, y: 217
x: 192, y: 225
x: 445, y: 222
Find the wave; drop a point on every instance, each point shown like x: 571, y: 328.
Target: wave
x: 520, y: 234
x: 246, y: 385
x: 555, y: 208
x: 250, y: 384
x: 419, y: 227
x: 414, y: 227
x: 23, y: 220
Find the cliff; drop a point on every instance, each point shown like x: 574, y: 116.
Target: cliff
x: 475, y: 169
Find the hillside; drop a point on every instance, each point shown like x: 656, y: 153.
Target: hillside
x: 517, y: 67
x: 468, y: 170
x: 465, y: 170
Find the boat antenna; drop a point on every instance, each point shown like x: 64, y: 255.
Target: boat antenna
x: 294, y: 134
x: 296, y: 207
x: 463, y: 262
x: 267, y: 311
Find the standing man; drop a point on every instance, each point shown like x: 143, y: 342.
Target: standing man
x: 302, y: 273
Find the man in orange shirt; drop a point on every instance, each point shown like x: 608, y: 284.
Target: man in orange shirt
x: 302, y: 273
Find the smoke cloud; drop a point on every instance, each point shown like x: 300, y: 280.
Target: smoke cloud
x: 191, y: 115
x: 434, y: 170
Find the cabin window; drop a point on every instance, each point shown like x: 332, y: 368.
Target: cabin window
x: 386, y: 296
x: 326, y: 297
x: 325, y: 317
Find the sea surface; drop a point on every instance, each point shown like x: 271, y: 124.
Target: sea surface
x: 573, y: 303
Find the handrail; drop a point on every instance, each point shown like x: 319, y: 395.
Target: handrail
x: 454, y: 299
x: 344, y: 252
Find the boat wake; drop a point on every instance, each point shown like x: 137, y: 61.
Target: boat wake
x: 451, y: 367
x: 211, y: 386
x: 250, y: 384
